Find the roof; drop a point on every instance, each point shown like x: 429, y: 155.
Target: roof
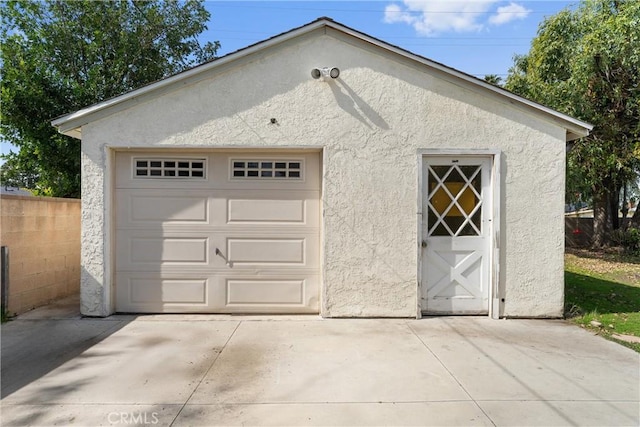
x: 14, y: 191
x: 71, y: 124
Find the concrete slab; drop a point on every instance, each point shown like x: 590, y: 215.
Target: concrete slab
x: 143, y: 363
x: 87, y: 415
x: 64, y: 308
x: 326, y: 361
x: 562, y: 413
x: 32, y: 348
x: 531, y: 359
x: 337, y: 414
x: 302, y: 370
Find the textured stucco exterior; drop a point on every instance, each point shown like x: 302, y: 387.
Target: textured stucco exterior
x: 371, y: 124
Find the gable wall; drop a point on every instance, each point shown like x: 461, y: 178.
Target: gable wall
x: 370, y: 123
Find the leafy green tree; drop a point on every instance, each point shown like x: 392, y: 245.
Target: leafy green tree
x: 59, y: 56
x: 586, y: 63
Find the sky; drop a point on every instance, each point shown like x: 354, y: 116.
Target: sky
x: 478, y: 37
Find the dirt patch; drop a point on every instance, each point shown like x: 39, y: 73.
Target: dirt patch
x: 608, y: 263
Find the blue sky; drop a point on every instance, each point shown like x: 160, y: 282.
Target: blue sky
x: 478, y: 37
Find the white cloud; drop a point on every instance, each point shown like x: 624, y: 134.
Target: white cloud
x: 394, y: 14
x: 432, y: 17
x: 509, y: 13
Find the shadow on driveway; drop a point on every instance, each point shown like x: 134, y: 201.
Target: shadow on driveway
x: 41, y: 340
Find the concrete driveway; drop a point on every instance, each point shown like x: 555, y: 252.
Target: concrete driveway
x: 60, y: 369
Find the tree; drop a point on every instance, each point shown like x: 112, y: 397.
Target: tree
x: 60, y: 56
x: 494, y: 79
x: 586, y: 63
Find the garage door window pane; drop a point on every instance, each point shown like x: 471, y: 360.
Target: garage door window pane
x: 266, y: 169
x: 170, y: 168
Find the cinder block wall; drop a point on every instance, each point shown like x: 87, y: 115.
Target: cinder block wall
x: 43, y: 237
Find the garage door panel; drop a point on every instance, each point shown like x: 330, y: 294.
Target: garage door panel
x: 231, y: 246
x: 266, y: 210
x: 247, y: 208
x: 171, y: 249
x: 256, y: 291
x: 127, y: 177
x: 234, y: 293
x: 155, y: 250
x: 153, y: 208
x: 152, y: 292
x: 222, y: 171
x: 169, y: 209
x: 175, y: 291
x: 140, y: 207
x: 266, y: 251
x: 278, y: 250
x: 268, y: 293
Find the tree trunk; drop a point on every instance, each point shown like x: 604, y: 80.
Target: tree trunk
x: 614, y: 204
x: 600, y: 200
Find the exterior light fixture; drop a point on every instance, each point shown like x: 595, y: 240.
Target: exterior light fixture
x: 325, y: 72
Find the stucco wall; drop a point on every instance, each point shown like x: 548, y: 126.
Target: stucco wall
x: 43, y: 237
x: 370, y: 123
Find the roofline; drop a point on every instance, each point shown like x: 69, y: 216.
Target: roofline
x: 72, y: 123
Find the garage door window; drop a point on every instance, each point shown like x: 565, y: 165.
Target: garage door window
x: 169, y: 168
x: 266, y: 169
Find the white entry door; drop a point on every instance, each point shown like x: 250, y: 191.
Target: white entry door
x: 456, y: 235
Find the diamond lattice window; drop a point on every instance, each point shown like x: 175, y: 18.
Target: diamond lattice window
x: 455, y: 200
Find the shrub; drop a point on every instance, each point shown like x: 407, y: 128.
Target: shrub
x: 629, y: 240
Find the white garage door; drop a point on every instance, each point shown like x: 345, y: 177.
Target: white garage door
x: 232, y: 232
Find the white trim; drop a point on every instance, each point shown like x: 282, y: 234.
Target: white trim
x: 324, y: 157
x: 494, y: 255
x: 494, y: 292
x: 71, y: 124
x: 419, y: 238
x: 109, y: 213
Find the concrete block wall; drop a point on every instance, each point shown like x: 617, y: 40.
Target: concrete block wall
x: 43, y: 237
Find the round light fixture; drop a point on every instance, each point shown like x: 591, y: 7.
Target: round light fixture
x: 316, y: 73
x: 334, y: 73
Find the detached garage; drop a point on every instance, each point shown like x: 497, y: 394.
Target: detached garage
x: 322, y: 171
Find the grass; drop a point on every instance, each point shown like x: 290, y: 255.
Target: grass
x: 603, y: 287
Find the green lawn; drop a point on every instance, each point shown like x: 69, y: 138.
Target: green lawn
x: 603, y: 287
